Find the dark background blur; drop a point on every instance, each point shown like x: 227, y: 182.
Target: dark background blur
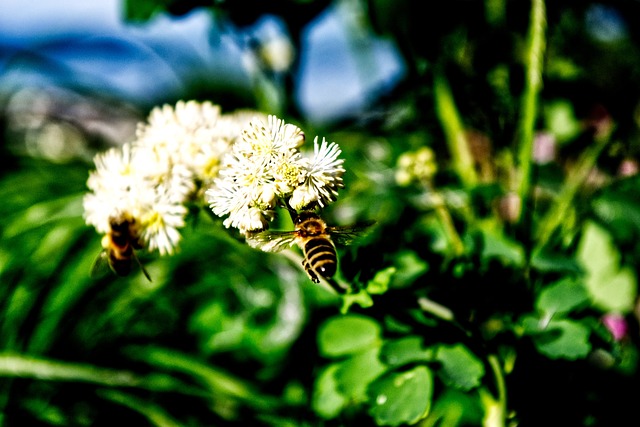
x: 231, y: 333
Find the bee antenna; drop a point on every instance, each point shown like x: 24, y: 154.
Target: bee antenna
x: 144, y: 270
x: 146, y: 273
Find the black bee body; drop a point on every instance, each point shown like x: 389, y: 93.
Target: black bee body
x: 320, y: 257
x: 119, y: 248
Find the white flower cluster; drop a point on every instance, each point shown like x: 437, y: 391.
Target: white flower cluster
x: 265, y: 169
x: 176, y: 154
x: 246, y: 162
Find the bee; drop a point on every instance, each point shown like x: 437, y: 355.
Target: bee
x: 315, y: 238
x: 119, y: 248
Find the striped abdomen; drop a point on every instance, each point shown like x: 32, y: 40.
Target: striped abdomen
x: 320, y: 259
x: 120, y: 247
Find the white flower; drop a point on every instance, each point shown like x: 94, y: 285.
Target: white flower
x: 226, y: 197
x: 302, y: 197
x: 262, y: 166
x: 178, y: 152
x: 115, y: 187
x: 264, y: 143
x: 193, y: 134
x: 323, y: 177
x: 125, y: 185
x: 249, y: 219
x: 265, y: 166
x: 160, y: 221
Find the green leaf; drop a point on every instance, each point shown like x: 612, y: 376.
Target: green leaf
x: 72, y: 282
x: 455, y: 408
x: 217, y: 381
x: 460, y: 367
x: 556, y: 339
x: 327, y: 400
x: 409, y: 266
x: 380, y: 282
x: 497, y: 245
x: 566, y: 339
x: 222, y: 330
x: 362, y: 298
x: 355, y: 373
x: 545, y: 261
x: 616, y: 293
x: 610, y: 287
x: 596, y: 252
x: 561, y: 297
x: 405, y: 350
x: 401, y: 397
x: 351, y: 333
x: 561, y: 120
x: 155, y: 414
x: 24, y: 366
x: 345, y: 383
x: 620, y: 210
x: 56, y: 244
x: 61, y: 210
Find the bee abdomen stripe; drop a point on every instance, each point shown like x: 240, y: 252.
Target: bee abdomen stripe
x: 321, y: 256
x: 318, y: 244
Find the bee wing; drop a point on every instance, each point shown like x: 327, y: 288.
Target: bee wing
x: 272, y: 241
x: 144, y: 270
x: 345, y: 235
x: 100, y: 266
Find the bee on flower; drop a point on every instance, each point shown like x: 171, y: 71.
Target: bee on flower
x: 139, y: 192
x: 136, y: 201
x: 265, y: 169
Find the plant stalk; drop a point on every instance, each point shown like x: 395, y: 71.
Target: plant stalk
x: 453, y: 128
x: 529, y: 102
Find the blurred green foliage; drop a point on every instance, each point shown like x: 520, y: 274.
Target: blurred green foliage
x: 498, y: 288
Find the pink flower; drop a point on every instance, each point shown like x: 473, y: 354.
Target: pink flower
x: 616, y: 324
x: 544, y: 148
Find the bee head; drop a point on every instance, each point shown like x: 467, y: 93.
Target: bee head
x: 305, y: 216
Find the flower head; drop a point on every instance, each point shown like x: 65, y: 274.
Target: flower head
x: 177, y: 152
x: 195, y: 135
x: 322, y: 179
x: 265, y: 168
x: 416, y: 167
x: 616, y: 324
x: 127, y: 183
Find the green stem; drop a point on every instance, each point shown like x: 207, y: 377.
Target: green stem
x: 20, y: 366
x: 558, y: 212
x: 155, y: 414
x: 495, y: 408
x: 447, y: 224
x: 436, y: 309
x: 454, y: 131
x: 217, y: 381
x: 529, y: 102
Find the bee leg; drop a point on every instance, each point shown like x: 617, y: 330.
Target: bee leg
x: 144, y: 270
x: 312, y: 274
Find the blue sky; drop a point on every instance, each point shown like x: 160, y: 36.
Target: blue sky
x: 89, y: 42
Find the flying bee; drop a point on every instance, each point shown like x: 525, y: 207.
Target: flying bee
x: 119, y: 248
x: 315, y: 238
